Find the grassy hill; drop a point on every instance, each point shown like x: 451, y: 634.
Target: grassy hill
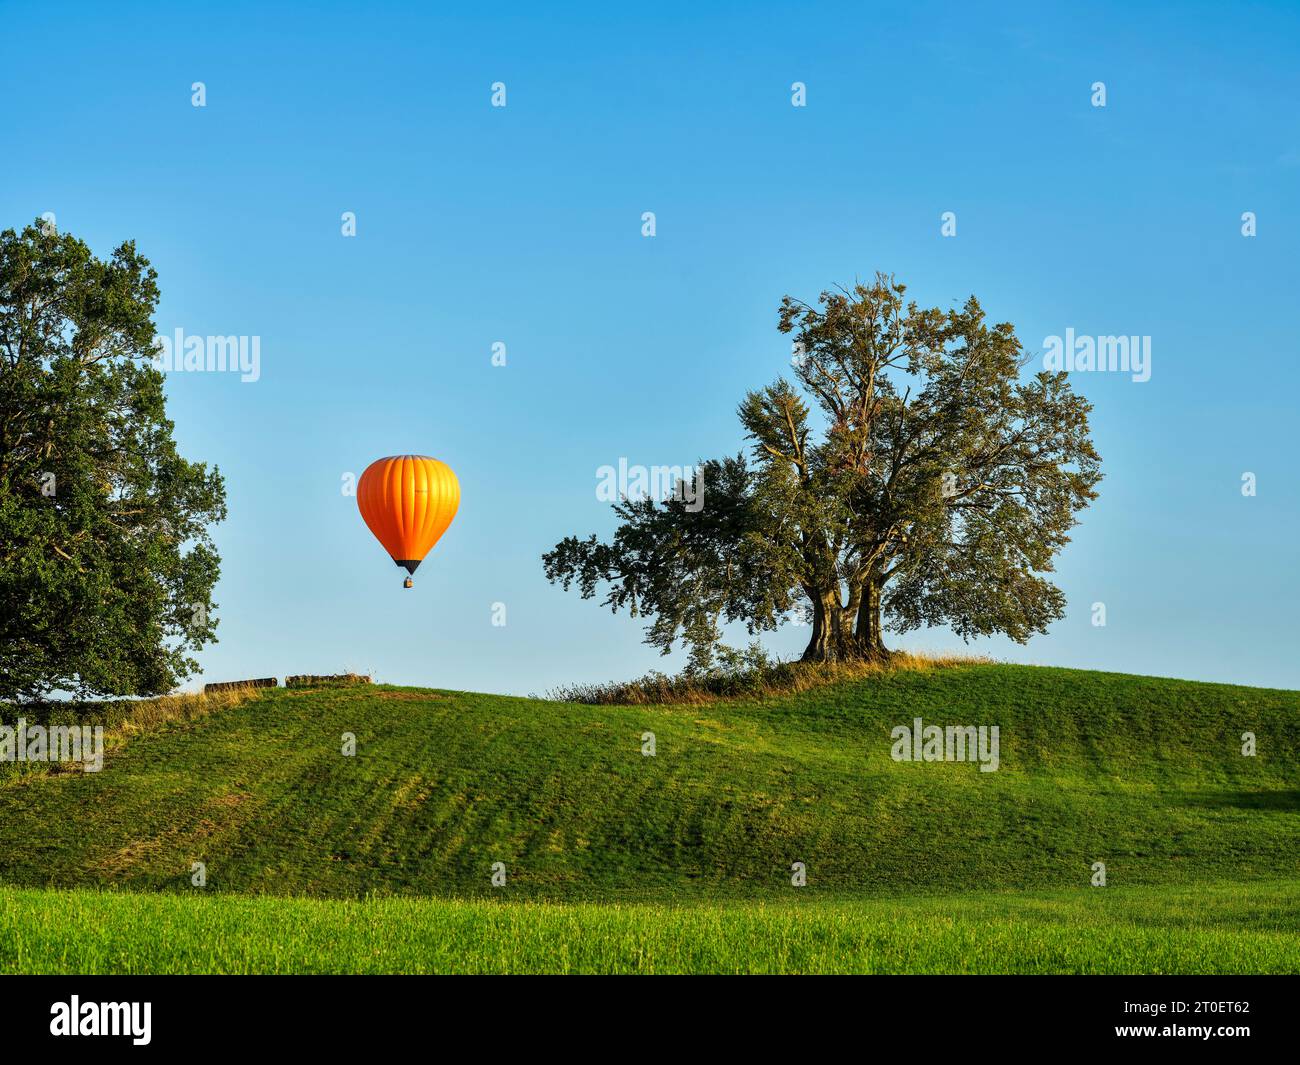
x: 680, y: 862
x: 1141, y: 773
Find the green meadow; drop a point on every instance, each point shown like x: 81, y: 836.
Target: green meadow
x: 1217, y: 929
x: 615, y: 861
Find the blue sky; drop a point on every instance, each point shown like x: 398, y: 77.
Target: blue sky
x: 522, y: 225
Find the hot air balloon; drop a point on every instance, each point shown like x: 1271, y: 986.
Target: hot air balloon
x: 408, y: 501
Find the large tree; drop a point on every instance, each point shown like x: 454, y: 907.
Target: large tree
x: 911, y: 475
x: 106, y: 563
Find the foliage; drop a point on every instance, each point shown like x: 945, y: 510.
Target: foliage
x: 926, y: 484
x: 107, y: 565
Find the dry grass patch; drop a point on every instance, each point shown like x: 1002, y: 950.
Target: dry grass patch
x: 408, y: 696
x: 780, y: 678
x: 146, y: 714
x: 120, y: 719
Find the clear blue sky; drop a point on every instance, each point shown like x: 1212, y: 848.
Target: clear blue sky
x: 523, y: 225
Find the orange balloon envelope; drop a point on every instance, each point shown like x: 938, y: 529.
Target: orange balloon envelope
x: 408, y: 501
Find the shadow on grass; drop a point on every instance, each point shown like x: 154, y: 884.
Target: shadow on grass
x: 1284, y: 800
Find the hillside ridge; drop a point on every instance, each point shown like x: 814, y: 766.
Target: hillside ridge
x: 1144, y: 774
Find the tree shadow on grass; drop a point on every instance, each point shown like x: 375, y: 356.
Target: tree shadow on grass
x: 1286, y: 800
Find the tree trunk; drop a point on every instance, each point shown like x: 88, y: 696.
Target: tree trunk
x: 870, y: 635
x: 827, y: 643
x: 853, y: 631
x: 849, y: 615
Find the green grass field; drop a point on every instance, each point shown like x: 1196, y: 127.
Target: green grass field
x: 616, y: 861
x: 1219, y: 929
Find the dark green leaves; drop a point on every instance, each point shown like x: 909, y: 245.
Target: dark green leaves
x: 938, y: 487
x: 107, y: 567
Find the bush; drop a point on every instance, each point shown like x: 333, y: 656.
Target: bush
x: 747, y: 673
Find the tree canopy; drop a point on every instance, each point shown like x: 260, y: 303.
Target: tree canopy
x: 909, y: 476
x: 107, y: 565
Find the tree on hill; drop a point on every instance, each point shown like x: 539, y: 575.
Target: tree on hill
x: 106, y: 563
x: 909, y: 476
